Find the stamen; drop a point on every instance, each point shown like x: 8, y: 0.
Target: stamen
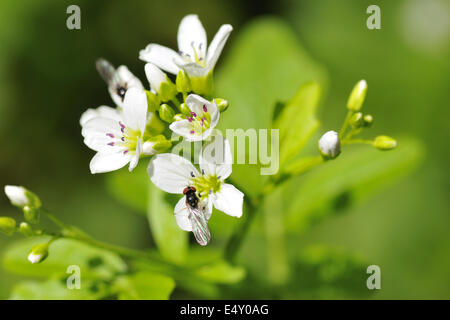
x: 121, y: 125
x: 205, y: 109
x: 218, y: 177
x: 123, y: 138
x: 194, y: 114
x: 192, y: 132
x: 110, y: 135
x: 111, y: 144
x: 192, y: 174
x: 125, y: 152
x: 203, y: 171
x: 190, y: 119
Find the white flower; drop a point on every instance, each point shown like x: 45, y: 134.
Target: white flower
x: 193, y: 56
x: 117, y: 136
x: 173, y: 174
x: 329, y: 145
x: 199, y: 124
x: 118, y: 80
x: 159, y: 82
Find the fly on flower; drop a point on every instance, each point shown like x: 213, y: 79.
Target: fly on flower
x: 197, y: 216
x: 118, y: 80
x: 201, y: 190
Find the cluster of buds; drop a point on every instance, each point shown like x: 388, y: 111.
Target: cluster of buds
x: 330, y: 142
x: 30, y: 204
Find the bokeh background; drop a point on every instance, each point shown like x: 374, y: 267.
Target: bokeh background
x: 48, y: 79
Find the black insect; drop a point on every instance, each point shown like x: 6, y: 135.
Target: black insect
x: 191, y: 197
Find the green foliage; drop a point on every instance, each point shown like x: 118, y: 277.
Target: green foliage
x: 55, y: 289
x: 346, y: 181
x: 94, y: 263
x: 172, y: 242
x: 297, y: 121
x: 144, y: 286
x: 266, y: 64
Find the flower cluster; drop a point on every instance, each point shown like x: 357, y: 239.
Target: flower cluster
x: 140, y: 124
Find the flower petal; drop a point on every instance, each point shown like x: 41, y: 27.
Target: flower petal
x: 135, y: 109
x: 154, y: 76
x: 192, y: 37
x: 102, y: 111
x: 134, y: 161
x: 220, y: 163
x: 161, y: 56
x: 171, y: 173
x: 99, y: 132
x: 196, y: 103
x: 184, y: 128
x: 182, y: 215
x: 105, y: 162
x: 229, y: 200
x: 217, y: 44
x: 193, y: 69
x: 128, y: 78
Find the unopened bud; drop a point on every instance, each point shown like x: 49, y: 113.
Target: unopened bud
x: 357, y: 120
x: 7, y: 225
x: 178, y: 117
x: 21, y: 197
x: 166, y: 113
x: 26, y: 229
x: 357, y: 96
x: 185, y: 109
x: 38, y: 253
x: 31, y: 214
x: 367, y: 120
x: 160, y: 82
x: 222, y: 104
x: 182, y: 82
x: 384, y: 143
x: 155, y: 145
x: 330, y: 145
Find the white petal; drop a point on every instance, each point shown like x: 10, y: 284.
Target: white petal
x: 161, y: 56
x: 154, y: 76
x: 171, y: 173
x: 99, y: 132
x: 129, y: 79
x: 102, y: 111
x: 229, y: 200
x: 216, y: 158
x: 134, y: 161
x: 196, y: 103
x: 182, y: 215
x: 184, y: 128
x: 192, y: 37
x: 193, y: 69
x: 216, y: 46
x: 135, y: 109
x: 105, y: 162
x: 17, y: 195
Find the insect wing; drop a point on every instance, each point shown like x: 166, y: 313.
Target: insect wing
x: 108, y: 73
x: 197, y: 217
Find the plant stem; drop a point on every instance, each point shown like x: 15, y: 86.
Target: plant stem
x: 346, y: 123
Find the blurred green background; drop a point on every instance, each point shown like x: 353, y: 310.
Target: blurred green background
x: 48, y: 79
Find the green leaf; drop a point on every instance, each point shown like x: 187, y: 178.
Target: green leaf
x: 94, y: 263
x: 54, y: 289
x: 130, y: 188
x: 172, y: 242
x: 265, y: 64
x: 221, y: 272
x: 297, y: 121
x: 144, y: 286
x: 357, y: 174
x: 321, y: 272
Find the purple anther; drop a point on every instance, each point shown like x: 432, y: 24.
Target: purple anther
x: 110, y: 135
x: 192, y: 174
x: 192, y: 132
x: 111, y: 144
x: 125, y: 152
x: 204, y: 108
x: 194, y: 114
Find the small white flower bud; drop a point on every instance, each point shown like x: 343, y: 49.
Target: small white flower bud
x: 38, y: 253
x: 7, y: 225
x: 329, y: 145
x: 357, y: 96
x: 21, y: 197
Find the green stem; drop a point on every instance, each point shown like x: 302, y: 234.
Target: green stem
x: 346, y: 123
x: 357, y: 141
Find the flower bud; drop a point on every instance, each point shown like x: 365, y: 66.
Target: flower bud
x: 160, y: 82
x: 329, y: 145
x: 182, y: 82
x: 357, y: 120
x: 384, y: 143
x: 185, y: 109
x: 38, y: 253
x: 21, y: 197
x: 26, y: 229
x: 31, y: 214
x: 367, y: 120
x: 156, y: 144
x: 7, y: 225
x: 178, y: 117
x: 152, y: 101
x: 222, y: 104
x: 166, y: 113
x: 357, y: 96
